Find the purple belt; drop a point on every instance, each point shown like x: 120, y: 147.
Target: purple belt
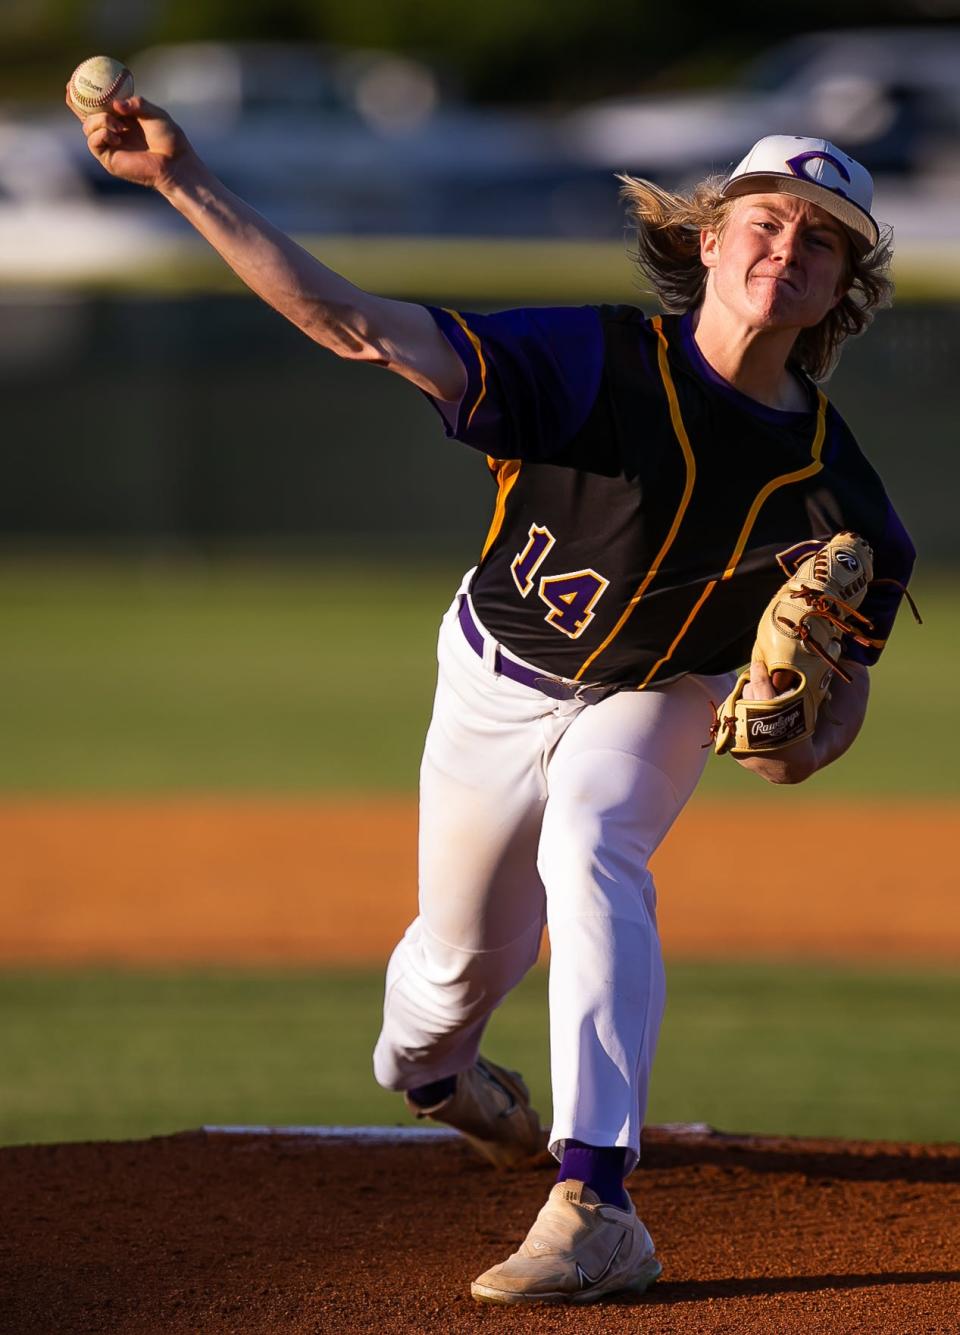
x: 554, y: 687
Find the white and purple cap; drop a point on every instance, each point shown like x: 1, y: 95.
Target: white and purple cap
x: 814, y: 169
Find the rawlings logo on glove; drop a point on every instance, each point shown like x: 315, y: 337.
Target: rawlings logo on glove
x: 800, y: 632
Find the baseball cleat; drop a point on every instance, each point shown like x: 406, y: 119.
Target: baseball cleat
x: 578, y: 1251
x: 490, y: 1107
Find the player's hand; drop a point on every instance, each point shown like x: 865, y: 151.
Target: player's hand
x: 137, y: 142
x: 762, y: 686
x: 789, y: 764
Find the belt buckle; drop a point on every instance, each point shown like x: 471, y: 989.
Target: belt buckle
x: 559, y: 689
x: 592, y: 695
x: 554, y: 687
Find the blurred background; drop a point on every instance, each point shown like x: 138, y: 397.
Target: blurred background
x: 224, y: 555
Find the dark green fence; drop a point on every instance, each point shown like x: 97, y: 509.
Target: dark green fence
x: 210, y: 423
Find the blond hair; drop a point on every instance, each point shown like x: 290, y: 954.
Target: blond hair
x: 668, y: 230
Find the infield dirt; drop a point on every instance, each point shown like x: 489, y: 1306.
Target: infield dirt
x: 334, y: 880
x: 286, y: 1236
x: 271, y: 1236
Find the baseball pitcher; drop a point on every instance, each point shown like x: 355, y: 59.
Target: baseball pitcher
x: 675, y: 497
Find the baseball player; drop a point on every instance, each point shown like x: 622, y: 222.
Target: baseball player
x: 655, y: 477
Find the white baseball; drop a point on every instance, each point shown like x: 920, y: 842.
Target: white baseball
x: 96, y: 83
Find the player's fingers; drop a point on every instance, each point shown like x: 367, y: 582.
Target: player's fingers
x: 102, y: 140
x: 74, y: 110
x: 102, y: 120
x: 759, y: 687
x: 139, y: 108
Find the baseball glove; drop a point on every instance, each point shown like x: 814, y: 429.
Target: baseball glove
x: 800, y: 634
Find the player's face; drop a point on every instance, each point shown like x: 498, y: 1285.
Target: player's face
x: 780, y: 262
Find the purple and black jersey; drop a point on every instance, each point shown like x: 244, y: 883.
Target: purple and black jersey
x: 642, y: 500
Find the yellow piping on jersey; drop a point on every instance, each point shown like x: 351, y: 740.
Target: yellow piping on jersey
x: 475, y: 343
x: 762, y: 495
x: 508, y: 470
x: 680, y: 432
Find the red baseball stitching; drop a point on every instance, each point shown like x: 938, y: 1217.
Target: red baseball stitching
x: 106, y: 96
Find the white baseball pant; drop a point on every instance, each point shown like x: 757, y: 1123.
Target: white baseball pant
x: 536, y: 811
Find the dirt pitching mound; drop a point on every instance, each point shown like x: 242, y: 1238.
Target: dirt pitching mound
x: 267, y: 1234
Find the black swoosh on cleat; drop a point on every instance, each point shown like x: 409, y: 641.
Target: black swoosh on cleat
x: 586, y: 1280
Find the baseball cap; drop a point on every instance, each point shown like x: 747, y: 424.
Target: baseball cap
x: 814, y: 169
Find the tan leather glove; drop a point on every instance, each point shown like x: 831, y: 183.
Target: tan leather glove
x: 800, y: 633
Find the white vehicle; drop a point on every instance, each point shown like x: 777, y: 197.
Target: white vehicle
x: 890, y: 95
x: 60, y: 222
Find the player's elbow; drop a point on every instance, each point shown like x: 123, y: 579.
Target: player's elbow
x: 347, y: 332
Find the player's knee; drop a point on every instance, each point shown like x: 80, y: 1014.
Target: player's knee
x: 442, y: 992
x: 482, y: 980
x: 597, y: 868
x: 386, y: 1069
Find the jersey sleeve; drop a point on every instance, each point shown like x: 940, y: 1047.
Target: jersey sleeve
x: 893, y: 560
x: 532, y: 377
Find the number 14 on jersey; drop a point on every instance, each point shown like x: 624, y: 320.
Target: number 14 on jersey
x: 571, y: 596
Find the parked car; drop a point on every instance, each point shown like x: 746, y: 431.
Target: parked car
x: 61, y: 216
x: 325, y: 139
x: 889, y: 95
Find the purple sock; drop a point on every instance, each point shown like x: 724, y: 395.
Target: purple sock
x: 428, y: 1096
x: 601, y: 1169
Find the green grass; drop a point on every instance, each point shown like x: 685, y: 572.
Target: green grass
x: 504, y: 270
x: 126, y: 678
x: 786, y: 1049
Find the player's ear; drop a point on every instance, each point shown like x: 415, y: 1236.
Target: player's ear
x: 840, y: 292
x: 710, y: 247
x: 845, y: 281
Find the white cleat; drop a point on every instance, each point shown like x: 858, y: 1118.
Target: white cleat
x: 491, y: 1109
x: 578, y: 1251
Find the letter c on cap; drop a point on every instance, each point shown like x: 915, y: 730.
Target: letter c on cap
x: 798, y: 165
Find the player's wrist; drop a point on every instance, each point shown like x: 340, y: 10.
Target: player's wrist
x: 184, y: 178
x: 788, y: 765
